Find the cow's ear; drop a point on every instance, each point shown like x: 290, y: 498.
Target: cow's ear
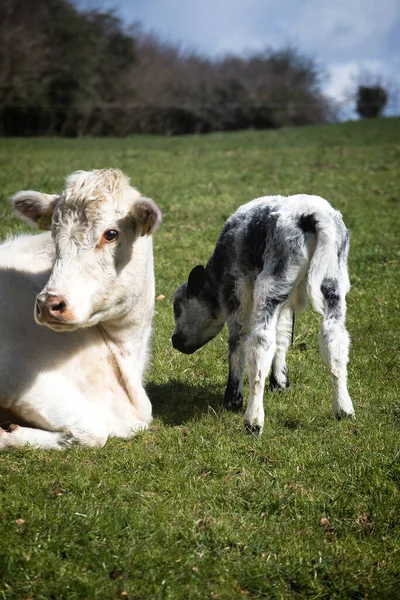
x: 147, y: 214
x: 34, y: 207
x: 196, y: 280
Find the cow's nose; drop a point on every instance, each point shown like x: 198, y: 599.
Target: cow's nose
x: 49, y: 306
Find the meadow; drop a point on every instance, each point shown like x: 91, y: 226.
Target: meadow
x: 195, y: 508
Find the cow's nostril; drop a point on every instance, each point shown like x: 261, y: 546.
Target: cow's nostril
x: 50, y: 308
x: 59, y: 307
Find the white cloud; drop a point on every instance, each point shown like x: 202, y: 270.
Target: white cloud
x: 213, y: 26
x: 332, y: 29
x: 345, y: 27
x: 324, y: 26
x: 341, y: 78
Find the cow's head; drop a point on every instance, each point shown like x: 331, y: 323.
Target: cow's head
x: 198, y: 317
x: 94, y: 223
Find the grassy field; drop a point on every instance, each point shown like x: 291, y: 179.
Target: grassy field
x: 195, y: 508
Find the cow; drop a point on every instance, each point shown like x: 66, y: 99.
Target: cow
x: 271, y: 253
x: 76, y: 308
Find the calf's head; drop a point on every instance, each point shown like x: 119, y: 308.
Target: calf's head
x: 94, y: 222
x: 198, y: 317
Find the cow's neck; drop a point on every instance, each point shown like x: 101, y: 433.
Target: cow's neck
x: 125, y: 351
x: 126, y: 336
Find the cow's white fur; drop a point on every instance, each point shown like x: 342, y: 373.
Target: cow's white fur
x: 80, y: 381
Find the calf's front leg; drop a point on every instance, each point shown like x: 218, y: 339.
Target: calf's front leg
x: 238, y: 321
x: 233, y: 399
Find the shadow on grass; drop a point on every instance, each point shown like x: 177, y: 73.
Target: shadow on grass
x: 176, y: 402
x: 291, y: 423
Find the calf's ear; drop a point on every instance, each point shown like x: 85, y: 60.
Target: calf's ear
x: 148, y: 215
x: 196, y: 280
x: 34, y: 207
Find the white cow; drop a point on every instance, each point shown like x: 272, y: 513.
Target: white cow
x: 76, y: 308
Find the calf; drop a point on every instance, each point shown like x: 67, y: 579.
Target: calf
x: 271, y: 253
x: 76, y: 306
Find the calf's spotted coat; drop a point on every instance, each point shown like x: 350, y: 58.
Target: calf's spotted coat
x: 271, y: 254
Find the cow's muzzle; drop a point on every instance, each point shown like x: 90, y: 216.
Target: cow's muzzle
x: 52, y: 308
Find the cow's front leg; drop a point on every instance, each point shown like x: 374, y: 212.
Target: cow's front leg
x: 130, y: 364
x: 60, y: 414
x: 16, y: 436
x: 142, y: 409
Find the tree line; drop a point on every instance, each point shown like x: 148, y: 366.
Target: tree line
x: 67, y: 71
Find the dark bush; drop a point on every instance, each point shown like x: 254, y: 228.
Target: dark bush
x: 65, y: 71
x: 61, y: 70
x: 371, y: 101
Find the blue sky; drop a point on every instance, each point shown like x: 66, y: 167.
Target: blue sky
x: 346, y: 37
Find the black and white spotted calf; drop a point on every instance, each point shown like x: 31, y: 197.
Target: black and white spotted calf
x: 271, y: 253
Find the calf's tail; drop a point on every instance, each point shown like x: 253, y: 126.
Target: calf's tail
x: 329, y: 260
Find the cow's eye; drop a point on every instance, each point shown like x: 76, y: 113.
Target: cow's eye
x: 110, y: 235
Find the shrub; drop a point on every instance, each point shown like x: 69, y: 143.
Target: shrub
x: 371, y: 101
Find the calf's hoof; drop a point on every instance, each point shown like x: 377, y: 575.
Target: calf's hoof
x: 233, y: 405
x: 346, y: 415
x: 275, y: 385
x: 255, y: 430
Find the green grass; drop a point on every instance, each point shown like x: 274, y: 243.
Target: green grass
x: 194, y: 508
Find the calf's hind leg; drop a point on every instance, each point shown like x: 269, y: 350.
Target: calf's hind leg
x: 279, y: 379
x: 334, y: 344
